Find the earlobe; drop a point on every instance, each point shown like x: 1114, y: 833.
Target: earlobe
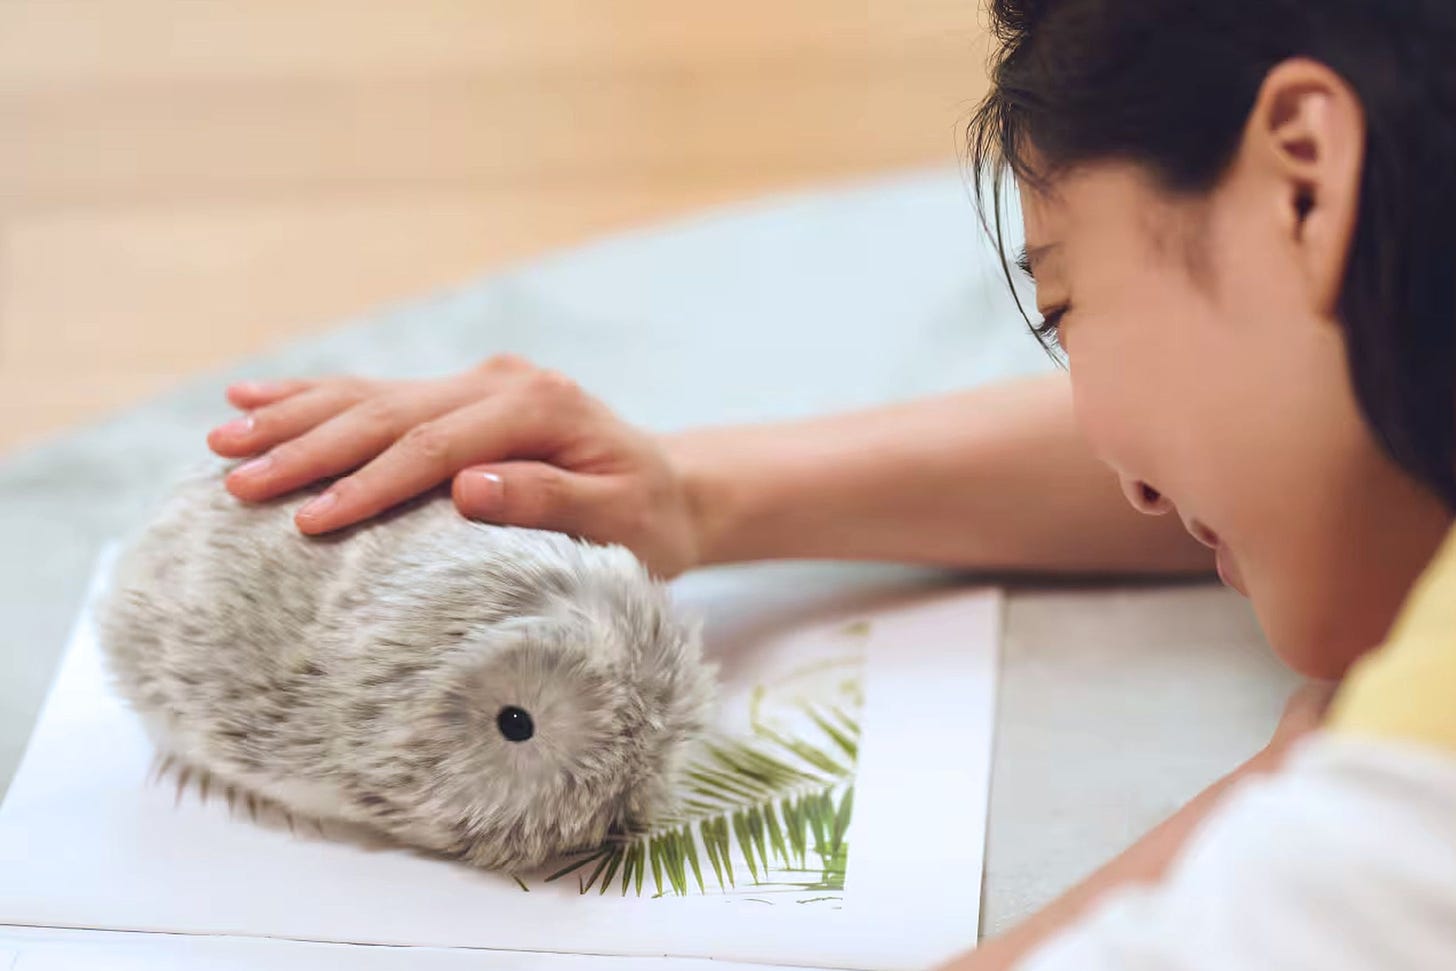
x: 1311, y: 127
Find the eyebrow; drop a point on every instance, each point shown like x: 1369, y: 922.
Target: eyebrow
x: 1030, y: 256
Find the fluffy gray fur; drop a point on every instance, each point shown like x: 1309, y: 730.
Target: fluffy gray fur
x: 359, y: 676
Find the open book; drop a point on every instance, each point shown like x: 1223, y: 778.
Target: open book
x: 863, y: 849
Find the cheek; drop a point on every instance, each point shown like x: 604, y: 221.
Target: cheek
x: 1327, y: 533
x: 1237, y: 445
x: 1140, y: 395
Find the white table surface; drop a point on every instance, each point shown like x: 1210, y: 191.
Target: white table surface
x: 1117, y: 702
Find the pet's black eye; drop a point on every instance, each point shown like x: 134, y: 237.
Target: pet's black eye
x: 515, y: 723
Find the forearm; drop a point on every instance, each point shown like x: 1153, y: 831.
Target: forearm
x: 993, y: 478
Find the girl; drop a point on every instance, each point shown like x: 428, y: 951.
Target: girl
x: 1237, y: 214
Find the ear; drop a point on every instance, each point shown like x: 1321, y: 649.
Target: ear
x: 1306, y: 137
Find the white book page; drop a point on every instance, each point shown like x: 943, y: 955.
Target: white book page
x: 47, y: 949
x: 89, y: 838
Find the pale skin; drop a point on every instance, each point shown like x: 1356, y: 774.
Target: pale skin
x: 993, y: 478
x: 1213, y: 385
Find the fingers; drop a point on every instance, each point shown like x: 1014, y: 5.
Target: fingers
x: 423, y: 457
x: 349, y: 438
x: 287, y: 419
x: 255, y: 394
x: 540, y: 496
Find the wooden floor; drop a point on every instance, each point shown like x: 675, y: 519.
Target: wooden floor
x: 184, y: 181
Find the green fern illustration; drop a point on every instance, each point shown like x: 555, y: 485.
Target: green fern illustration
x: 781, y: 805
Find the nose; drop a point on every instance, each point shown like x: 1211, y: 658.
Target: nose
x: 1144, y: 498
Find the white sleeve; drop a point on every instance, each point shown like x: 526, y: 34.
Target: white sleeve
x: 1344, y: 861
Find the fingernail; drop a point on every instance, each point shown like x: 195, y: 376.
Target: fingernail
x: 484, y: 491
x: 256, y: 387
x: 319, y: 505
x: 238, y: 426
x: 255, y: 467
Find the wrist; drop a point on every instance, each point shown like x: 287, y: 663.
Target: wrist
x: 703, y: 479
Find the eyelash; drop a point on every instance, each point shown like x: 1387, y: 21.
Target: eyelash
x: 1048, y: 330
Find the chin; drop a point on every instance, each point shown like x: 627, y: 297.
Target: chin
x: 1312, y: 663
x: 1320, y: 644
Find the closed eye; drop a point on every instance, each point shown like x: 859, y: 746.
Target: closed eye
x: 1048, y: 330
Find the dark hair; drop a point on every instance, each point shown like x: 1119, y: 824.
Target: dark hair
x: 1169, y: 84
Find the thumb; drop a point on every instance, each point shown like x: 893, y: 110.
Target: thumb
x: 535, y: 495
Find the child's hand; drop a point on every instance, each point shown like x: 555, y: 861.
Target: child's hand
x: 523, y: 446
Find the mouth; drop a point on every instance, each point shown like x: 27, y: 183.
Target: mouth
x: 1228, y: 566
x: 1228, y: 570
